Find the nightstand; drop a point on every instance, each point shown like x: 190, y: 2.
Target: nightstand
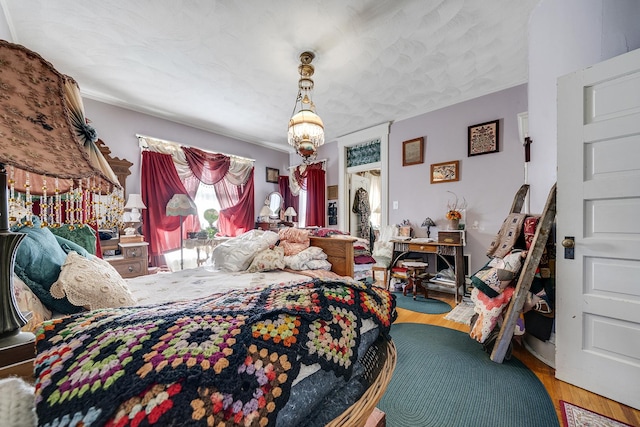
x: 17, y: 354
x: 133, y: 261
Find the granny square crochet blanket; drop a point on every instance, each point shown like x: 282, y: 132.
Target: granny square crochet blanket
x: 222, y: 360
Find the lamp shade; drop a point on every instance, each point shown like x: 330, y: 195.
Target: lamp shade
x: 39, y: 136
x: 428, y: 222
x: 290, y: 212
x: 181, y: 205
x: 265, y: 211
x: 135, y: 202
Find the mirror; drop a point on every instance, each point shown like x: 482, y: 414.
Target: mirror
x: 275, y: 202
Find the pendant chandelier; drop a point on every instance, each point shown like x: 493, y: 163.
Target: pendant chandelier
x: 306, y: 130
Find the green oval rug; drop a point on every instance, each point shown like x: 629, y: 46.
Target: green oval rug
x: 444, y: 378
x: 421, y: 304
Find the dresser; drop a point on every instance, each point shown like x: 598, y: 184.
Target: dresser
x: 133, y: 260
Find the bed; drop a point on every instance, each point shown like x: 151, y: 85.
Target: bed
x: 279, y: 347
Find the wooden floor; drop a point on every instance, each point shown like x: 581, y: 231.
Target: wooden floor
x: 558, y: 390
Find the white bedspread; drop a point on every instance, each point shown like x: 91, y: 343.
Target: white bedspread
x: 200, y: 282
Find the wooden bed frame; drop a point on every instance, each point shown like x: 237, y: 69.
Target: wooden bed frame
x: 339, y: 252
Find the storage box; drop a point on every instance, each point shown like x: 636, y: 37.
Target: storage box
x: 450, y: 236
x: 404, y: 231
x: 131, y: 238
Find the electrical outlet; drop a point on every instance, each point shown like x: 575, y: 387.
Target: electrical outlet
x: 395, y: 204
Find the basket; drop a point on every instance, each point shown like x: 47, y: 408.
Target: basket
x: 380, y: 362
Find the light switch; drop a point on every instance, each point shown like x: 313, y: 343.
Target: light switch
x: 395, y: 204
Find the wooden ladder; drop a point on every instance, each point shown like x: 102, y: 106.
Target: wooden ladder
x: 528, y: 272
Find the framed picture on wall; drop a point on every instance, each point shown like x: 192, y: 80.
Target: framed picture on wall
x: 413, y: 151
x: 483, y: 138
x: 332, y: 192
x: 445, y: 172
x: 272, y: 175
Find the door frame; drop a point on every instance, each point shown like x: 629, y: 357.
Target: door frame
x: 376, y: 132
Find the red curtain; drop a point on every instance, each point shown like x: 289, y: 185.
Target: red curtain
x: 315, y: 197
x: 236, y: 201
x: 285, y: 190
x: 209, y: 168
x: 300, y: 177
x: 159, y: 182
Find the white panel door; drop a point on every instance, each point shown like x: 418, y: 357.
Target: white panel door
x: 598, y: 292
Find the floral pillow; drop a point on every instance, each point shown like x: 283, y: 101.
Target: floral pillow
x: 301, y: 260
x: 267, y: 260
x: 91, y: 283
x: 28, y: 302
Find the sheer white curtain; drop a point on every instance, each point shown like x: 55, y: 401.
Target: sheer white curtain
x: 375, y: 199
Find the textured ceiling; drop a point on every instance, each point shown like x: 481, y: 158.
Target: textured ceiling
x: 230, y: 67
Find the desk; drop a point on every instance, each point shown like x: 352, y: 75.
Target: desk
x: 402, y: 248
x: 206, y: 245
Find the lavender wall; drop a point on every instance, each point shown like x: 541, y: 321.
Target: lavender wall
x: 118, y: 127
x: 488, y: 182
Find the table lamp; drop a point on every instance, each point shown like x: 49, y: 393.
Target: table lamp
x: 181, y: 205
x: 45, y: 144
x: 265, y: 213
x: 428, y: 223
x: 135, y: 203
x: 290, y: 213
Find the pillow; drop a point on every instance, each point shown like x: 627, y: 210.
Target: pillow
x: 61, y: 306
x: 299, y: 261
x: 293, y: 240
x: 294, y: 235
x: 291, y: 248
x: 507, y: 236
x: 498, y: 273
x: 82, y: 235
x: 318, y: 264
x: 237, y: 253
x: 267, y: 260
x: 28, y: 302
x: 68, y: 246
x: 92, y: 283
x: 39, y: 255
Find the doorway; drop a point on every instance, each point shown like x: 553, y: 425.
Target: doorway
x: 369, y: 180
x: 345, y: 199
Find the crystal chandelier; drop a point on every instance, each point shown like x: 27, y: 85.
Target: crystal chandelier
x: 306, y: 130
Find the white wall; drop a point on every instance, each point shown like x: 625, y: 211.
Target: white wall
x: 566, y: 36
x: 5, y: 34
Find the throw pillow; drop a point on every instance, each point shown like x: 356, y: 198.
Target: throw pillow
x: 267, y: 260
x: 82, y: 235
x: 39, y: 255
x: 91, y: 283
x: 28, y: 302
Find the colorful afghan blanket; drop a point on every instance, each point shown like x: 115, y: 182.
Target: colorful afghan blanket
x: 227, y: 359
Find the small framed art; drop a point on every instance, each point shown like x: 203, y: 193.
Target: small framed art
x: 413, y: 151
x: 483, y: 138
x: 445, y: 172
x: 272, y: 175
